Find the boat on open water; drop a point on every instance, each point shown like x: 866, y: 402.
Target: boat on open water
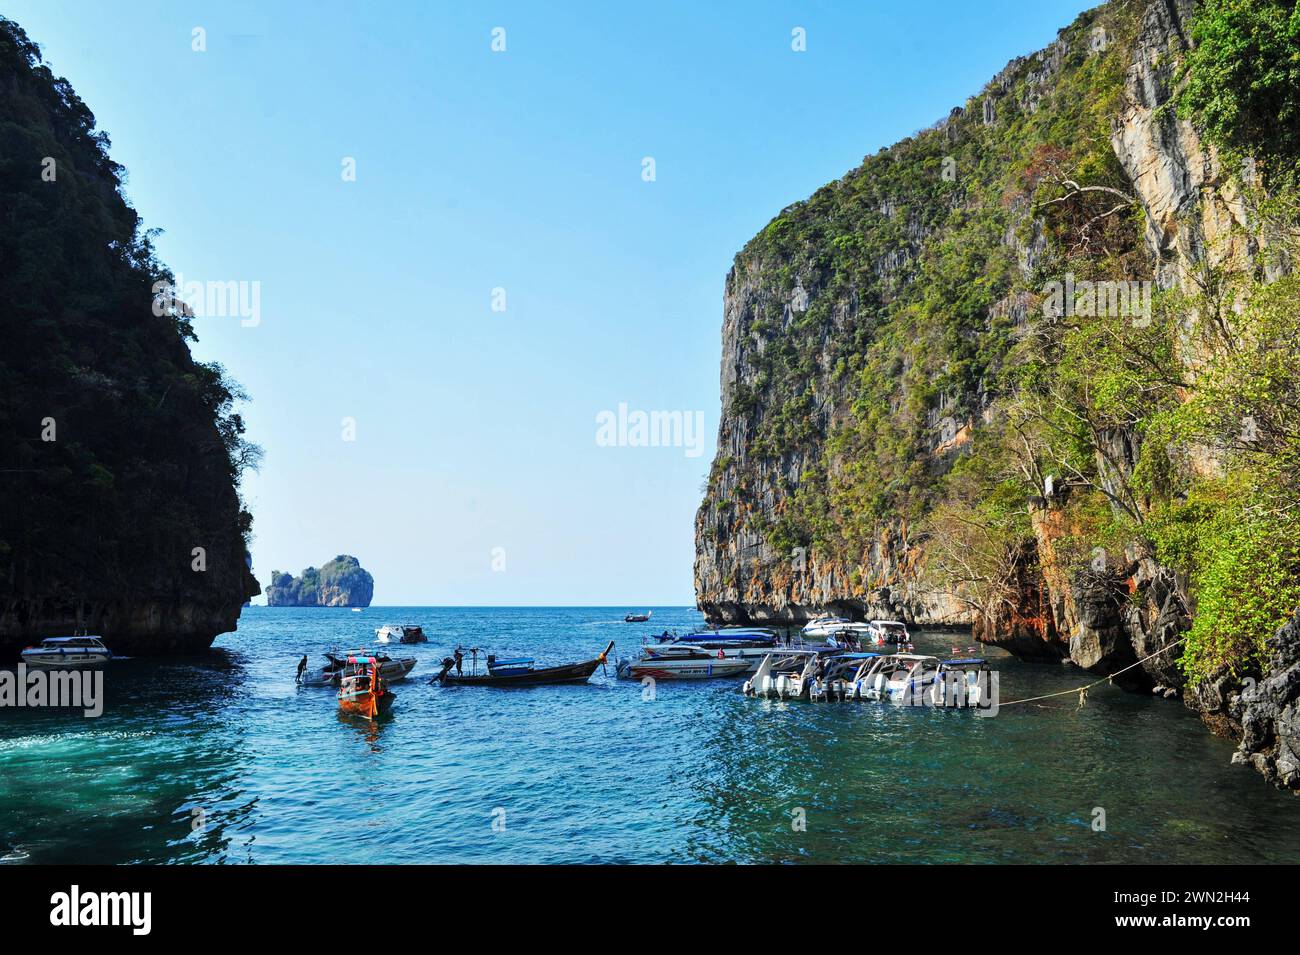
x: 390, y: 668
x: 520, y: 671
x: 404, y: 633
x: 362, y: 691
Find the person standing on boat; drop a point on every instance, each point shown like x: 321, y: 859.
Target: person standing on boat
x: 302, y: 668
x: 459, y: 657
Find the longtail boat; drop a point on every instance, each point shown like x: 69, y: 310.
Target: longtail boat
x: 362, y: 691
x: 516, y: 672
x: 391, y: 669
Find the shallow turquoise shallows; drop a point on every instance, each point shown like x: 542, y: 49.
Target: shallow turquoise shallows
x: 224, y: 759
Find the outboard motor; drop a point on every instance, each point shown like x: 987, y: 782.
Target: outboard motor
x: 447, y: 664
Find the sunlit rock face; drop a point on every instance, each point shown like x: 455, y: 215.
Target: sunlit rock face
x: 340, y: 583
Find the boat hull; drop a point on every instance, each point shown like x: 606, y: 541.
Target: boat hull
x: 683, y: 669
x: 570, y: 673
x: 390, y: 671
x: 366, y: 704
x: 64, y: 660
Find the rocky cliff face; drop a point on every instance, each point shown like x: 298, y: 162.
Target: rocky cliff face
x: 119, y: 454
x: 866, y: 338
x: 826, y: 296
x: 340, y: 583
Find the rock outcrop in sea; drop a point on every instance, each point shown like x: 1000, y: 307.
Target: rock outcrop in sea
x: 877, y: 334
x: 340, y: 583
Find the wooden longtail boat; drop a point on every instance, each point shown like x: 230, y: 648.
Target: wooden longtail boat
x: 362, y: 691
x: 519, y: 672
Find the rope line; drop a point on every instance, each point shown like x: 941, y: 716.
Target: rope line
x: 1082, y: 691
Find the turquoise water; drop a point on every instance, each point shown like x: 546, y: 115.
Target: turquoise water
x: 224, y: 759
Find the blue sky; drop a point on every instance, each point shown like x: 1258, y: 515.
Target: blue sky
x: 521, y: 170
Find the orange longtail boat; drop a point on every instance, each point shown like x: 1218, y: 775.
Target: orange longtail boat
x: 362, y: 691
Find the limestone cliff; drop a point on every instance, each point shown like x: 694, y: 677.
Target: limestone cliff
x: 119, y: 454
x: 895, y: 439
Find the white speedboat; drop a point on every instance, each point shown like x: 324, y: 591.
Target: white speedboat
x: 682, y: 662
x: 824, y: 625
x: 839, y: 676
x: 784, y: 673
x: 882, y: 632
x: 748, y: 645
x: 920, y: 680
x: 390, y: 669
x: 405, y: 633
x: 66, y: 653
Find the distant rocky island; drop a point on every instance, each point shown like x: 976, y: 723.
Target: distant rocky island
x: 340, y: 583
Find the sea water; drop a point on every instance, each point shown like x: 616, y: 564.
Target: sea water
x: 223, y: 758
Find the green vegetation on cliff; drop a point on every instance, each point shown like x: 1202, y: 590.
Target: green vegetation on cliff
x: 1243, y: 77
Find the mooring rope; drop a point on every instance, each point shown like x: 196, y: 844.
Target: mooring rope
x: 1082, y: 691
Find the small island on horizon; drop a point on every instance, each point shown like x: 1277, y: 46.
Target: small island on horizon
x: 342, y: 582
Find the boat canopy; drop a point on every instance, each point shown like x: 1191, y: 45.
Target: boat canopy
x: 721, y: 636
x: 964, y: 660
x: 518, y: 662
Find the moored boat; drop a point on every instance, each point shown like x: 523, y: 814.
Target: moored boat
x: 362, y: 691
x: 884, y: 632
x: 823, y: 625
x: 67, y: 653
x: 922, y: 680
x: 784, y: 673
x: 391, y: 669
x: 838, y: 677
x: 681, y: 662
x: 750, y: 646
x: 519, y: 671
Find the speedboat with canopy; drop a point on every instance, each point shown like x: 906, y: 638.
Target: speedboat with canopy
x: 785, y: 673
x: 67, y: 653
x: 748, y: 645
x: 922, y: 680
x: 882, y: 632
x: 681, y: 662
x: 837, y: 676
x: 824, y: 625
